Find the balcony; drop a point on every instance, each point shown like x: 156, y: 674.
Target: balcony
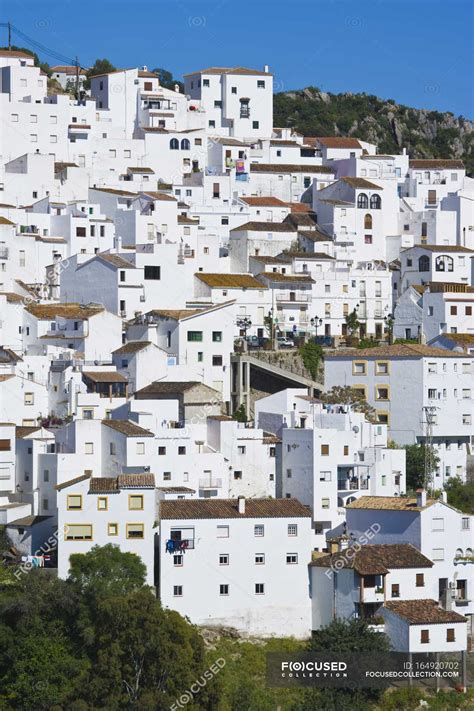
x: 3, y: 252
x: 294, y: 297
x: 179, y: 545
x: 210, y: 483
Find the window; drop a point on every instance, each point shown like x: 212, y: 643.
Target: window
x: 181, y: 450
x: 212, y: 124
x: 259, y: 558
x: 325, y: 450
x: 161, y: 451
x: 468, y: 310
x: 166, y: 476
x: 259, y: 530
x: 135, y: 530
x: 217, y: 360
x: 78, y: 532
x: 395, y: 590
x: 325, y: 503
x: 241, y: 449
x: 195, y: 336
x: 292, y: 529
x: 178, y: 560
x: 217, y: 336
x: 424, y: 636
x: 244, y: 108
x: 140, y: 447
x: 113, y: 448
x: 29, y: 399
x: 112, y: 529
x: 381, y: 367
x: 33, y: 138
x: 5, y: 445
x: 185, y: 144
x: 89, y: 448
x: 200, y: 356
x: 359, y: 367
x: 174, y: 144
x: 288, y: 474
x: 53, y: 139
x: 223, y: 589
x: 74, y: 502
x: 260, y: 84
x: 112, y: 153
x: 450, y: 636
x: 437, y: 524
x: 224, y: 559
x: 382, y: 392
x: 222, y: 532
x: 325, y: 476
x: 362, y: 201
x: 375, y: 202
x: 259, y: 588
x: 465, y: 523
x: 437, y: 554
x: 88, y: 414
x: 102, y: 503
x: 46, y: 475
x: 152, y: 272
x: 205, y: 82
x: 291, y: 558
x: 81, y: 232
x: 368, y: 222
x: 135, y: 502
x: 14, y: 118
x: 177, y: 590
x: 367, y: 239
x: 444, y: 264
x: 256, y: 124
x: 420, y: 580
x: 453, y: 310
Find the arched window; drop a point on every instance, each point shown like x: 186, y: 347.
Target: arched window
x: 458, y: 553
x: 185, y: 145
x: 375, y: 202
x: 424, y: 263
x: 468, y: 553
x: 444, y: 263
x: 363, y: 201
x: 368, y: 222
x: 174, y: 144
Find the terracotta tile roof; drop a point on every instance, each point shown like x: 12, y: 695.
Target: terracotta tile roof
x: 308, y: 256
x: 423, y: 612
x: 167, y: 387
x: 389, y: 503
x: 229, y: 70
x: 299, y: 207
x: 227, y: 141
x: 177, y: 314
x: 360, y: 183
x: 116, y: 260
x: 336, y: 202
x: 185, y: 220
x: 127, y: 428
x: 266, y: 259
x: 79, y: 126
x: 105, y: 485
x: 48, y: 312
x: 454, y: 287
x: 139, y: 169
x: 230, y: 281
x: 176, y: 489
x: 228, y: 508
x: 376, y: 559
x: 287, y: 278
x: 268, y: 201
x: 289, y: 168
x: 335, y: 141
x: 220, y: 418
x: 144, y: 74
x: 67, y: 69
x: 59, y: 166
x: 131, y: 347
x: 402, y: 350
x: 302, y: 219
x: 315, y: 235
x: 5, y: 221
x: 15, y: 53
x: 102, y: 376
x: 9, y: 356
x: 255, y: 226
x: 159, y: 195
x: 285, y: 143
x: 22, y: 432
x: 442, y: 248
x: 115, y: 191
x: 71, y: 482
x: 6, y: 376
x: 463, y: 338
x: 436, y: 163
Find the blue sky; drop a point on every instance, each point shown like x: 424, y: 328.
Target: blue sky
x: 418, y: 52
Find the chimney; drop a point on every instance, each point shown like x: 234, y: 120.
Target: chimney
x: 176, y: 88
x: 241, y: 502
x: 266, y: 68
x: 145, y: 68
x: 420, y: 497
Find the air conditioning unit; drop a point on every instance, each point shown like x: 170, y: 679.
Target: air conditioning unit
x: 142, y: 297
x: 146, y: 469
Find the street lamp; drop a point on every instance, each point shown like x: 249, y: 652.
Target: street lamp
x: 315, y: 322
x: 244, y: 323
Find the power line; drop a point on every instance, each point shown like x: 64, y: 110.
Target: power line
x: 37, y: 45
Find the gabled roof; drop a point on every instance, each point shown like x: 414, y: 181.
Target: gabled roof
x: 423, y: 612
x: 336, y: 141
x: 115, y: 191
x: 131, y: 347
x: 289, y: 168
x: 288, y: 278
x: 269, y: 201
x: 229, y: 509
x: 8, y: 356
x: 400, y: 350
x: 169, y: 387
x: 115, y: 260
x: 159, y: 195
x: 71, y: 482
x: 257, y: 226
x: 375, y: 559
x: 102, y: 376
x: 436, y: 163
x: 47, y: 312
x: 389, y: 503
x: 230, y: 281
x: 139, y: 170
x: 442, y: 248
x: 229, y: 70
x: 5, y: 221
x: 127, y: 428
x: 360, y: 183
x: 110, y: 485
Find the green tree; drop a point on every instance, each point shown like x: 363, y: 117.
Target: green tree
x: 240, y: 414
x: 37, y: 62
x: 167, y: 80
x: 352, y: 323
x: 415, y: 464
x: 345, y: 395
x: 353, y: 636
x: 312, y: 356
x: 107, y: 569
x: 100, y: 66
x: 460, y: 494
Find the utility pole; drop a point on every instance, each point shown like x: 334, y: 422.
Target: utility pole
x: 77, y: 78
x: 9, y: 37
x: 430, y: 413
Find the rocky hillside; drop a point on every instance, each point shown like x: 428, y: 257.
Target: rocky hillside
x: 425, y: 134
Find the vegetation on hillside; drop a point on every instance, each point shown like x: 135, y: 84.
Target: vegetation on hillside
x: 392, y: 126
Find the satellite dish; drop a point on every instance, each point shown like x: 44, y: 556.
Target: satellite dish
x: 355, y: 429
